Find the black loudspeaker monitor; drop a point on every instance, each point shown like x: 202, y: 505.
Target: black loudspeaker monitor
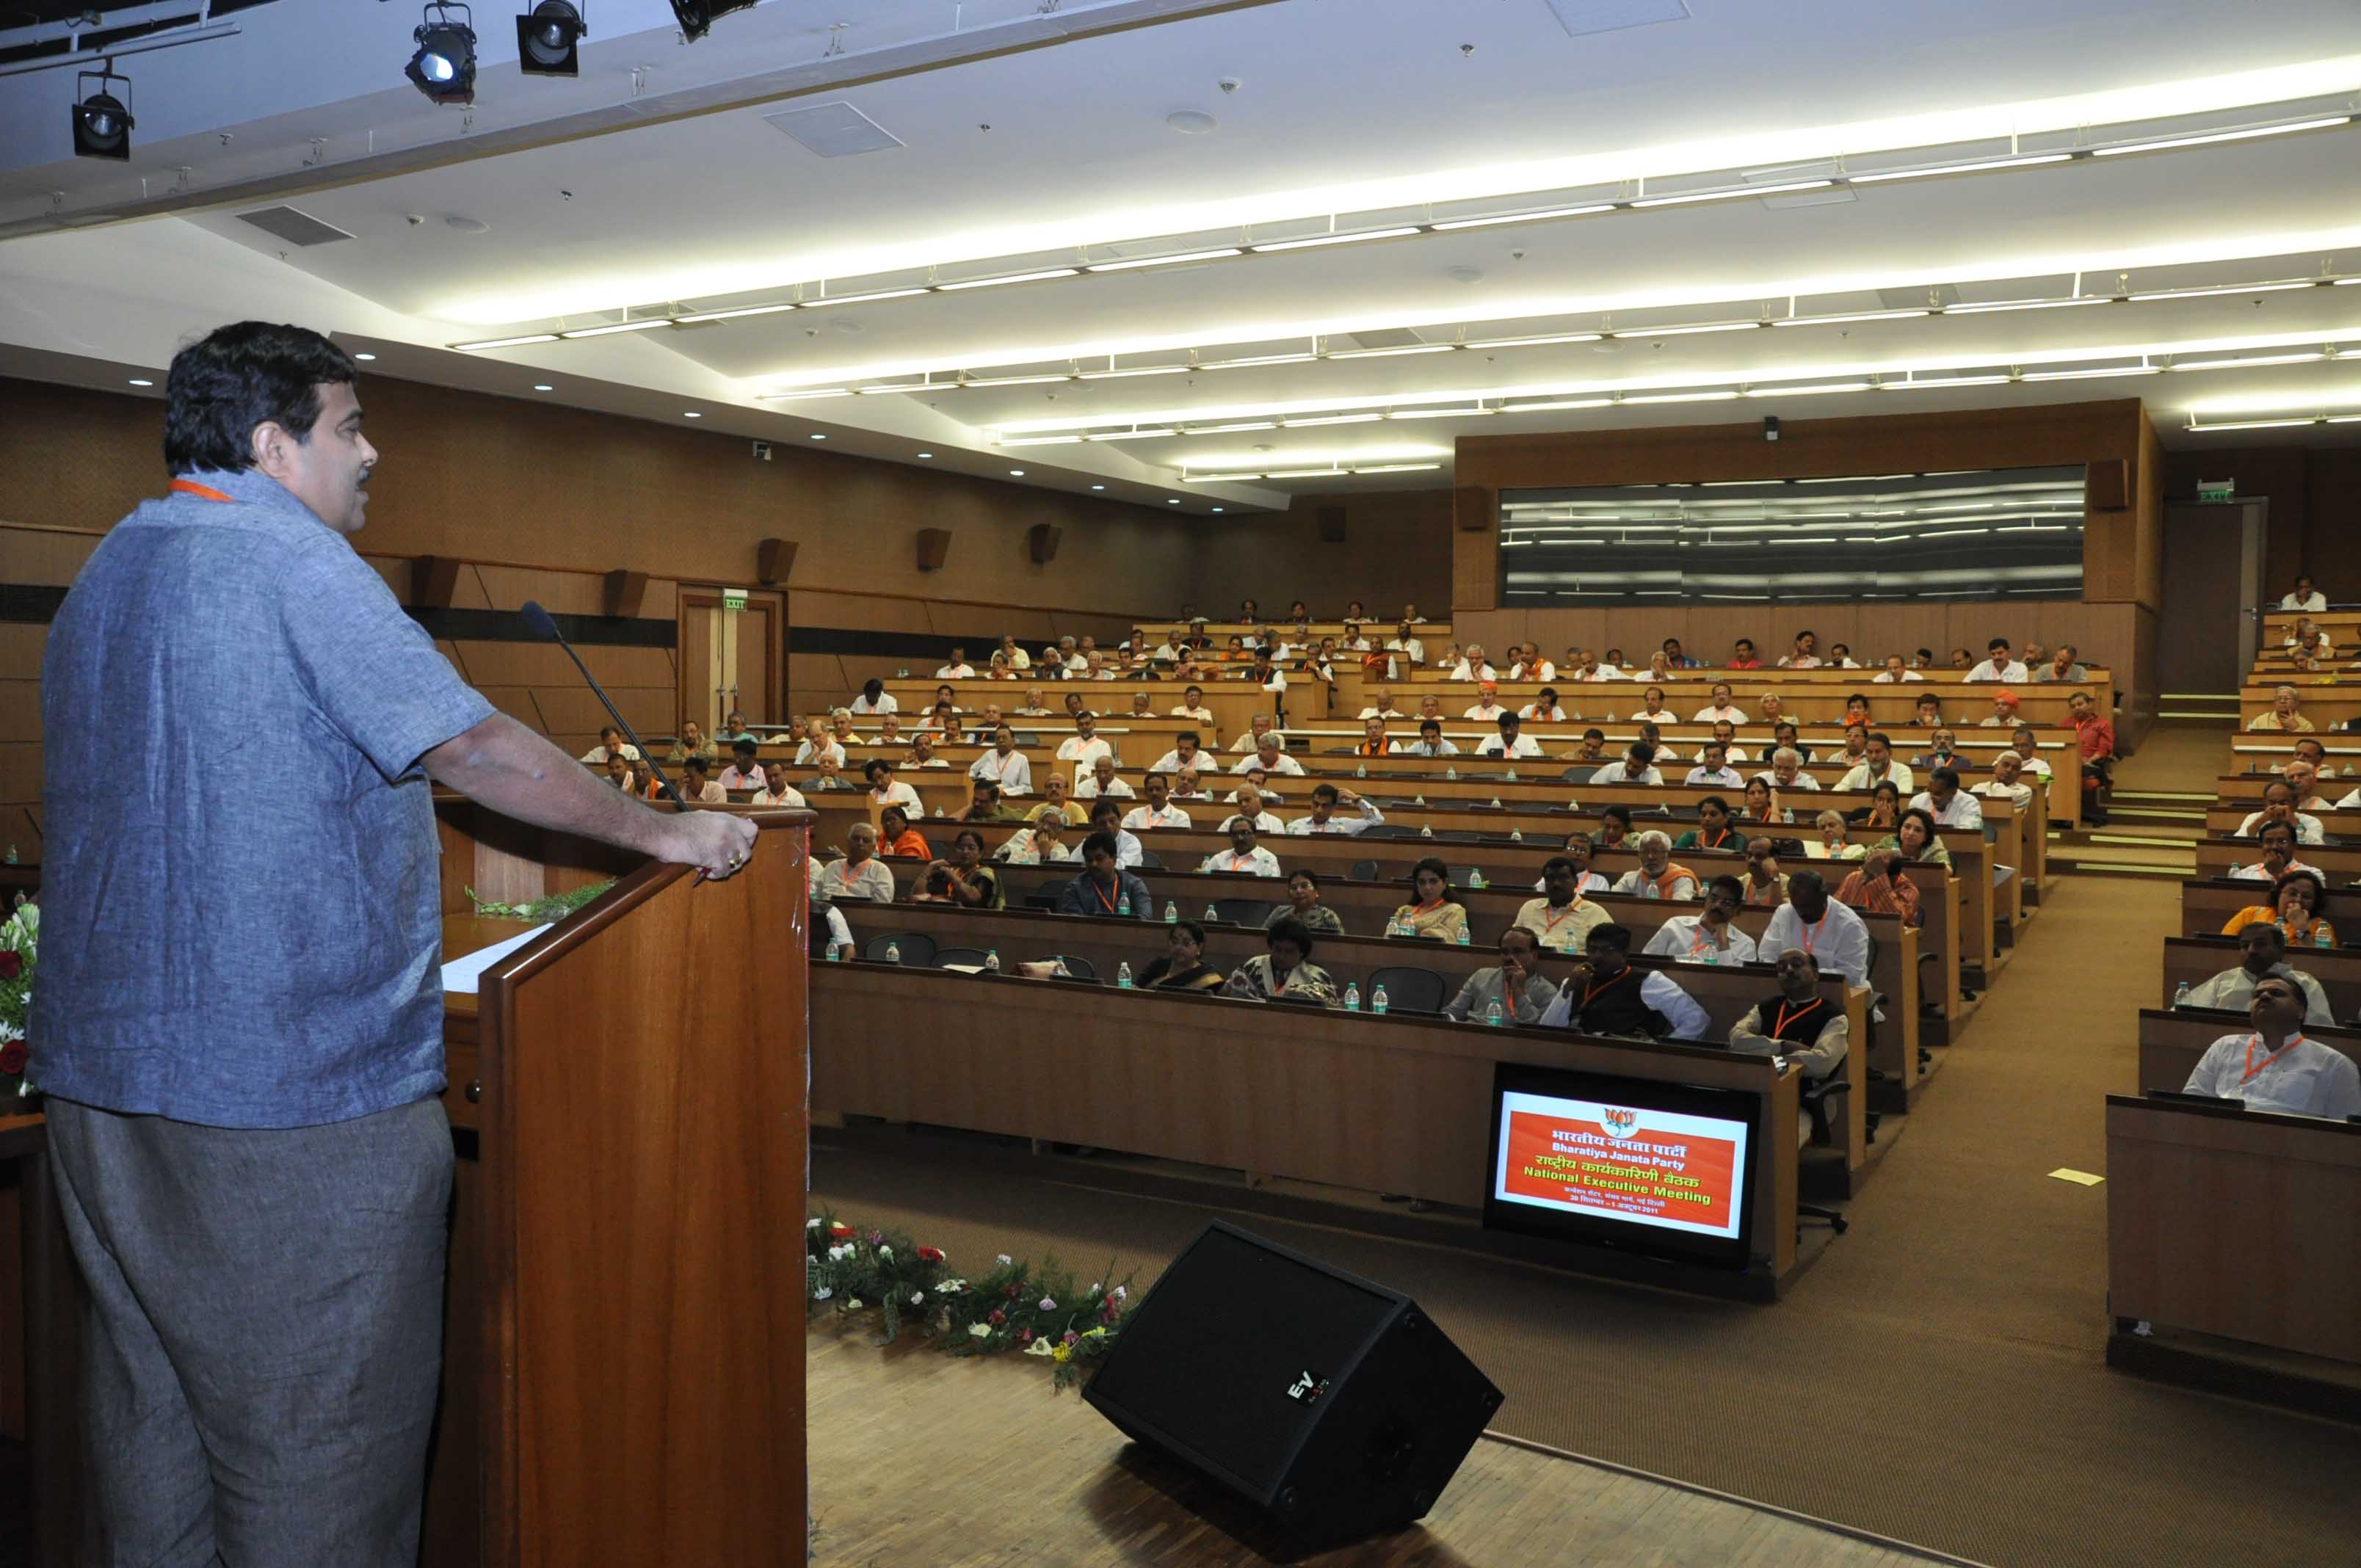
x: 1330, y: 1402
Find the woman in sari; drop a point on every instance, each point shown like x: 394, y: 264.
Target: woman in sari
x: 1762, y: 801
x: 1285, y: 971
x: 1433, y: 914
x: 1766, y: 884
x: 2295, y: 908
x: 1884, y: 812
x: 1184, y: 967
x: 1915, y: 836
x: 1833, y: 845
x: 1303, y: 904
x: 896, y: 837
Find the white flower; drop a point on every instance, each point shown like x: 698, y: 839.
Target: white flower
x: 822, y: 1293
x: 853, y: 1305
x: 981, y: 1331
x: 1042, y: 1346
x: 812, y: 1224
x: 1093, y: 1289
x: 1005, y: 1260
x: 1121, y: 1293
x: 950, y: 1286
x: 884, y: 1253
x: 1047, y: 1304
x: 918, y: 1298
x: 839, y: 1254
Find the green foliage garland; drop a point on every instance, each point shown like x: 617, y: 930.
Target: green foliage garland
x: 556, y: 907
x: 1037, y: 1310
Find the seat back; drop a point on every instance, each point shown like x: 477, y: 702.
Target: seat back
x: 1408, y: 989
x: 1243, y: 911
x: 1149, y: 860
x: 1362, y: 871
x: 1080, y: 969
x: 917, y: 947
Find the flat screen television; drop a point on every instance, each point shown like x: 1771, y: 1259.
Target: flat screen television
x: 1659, y: 1169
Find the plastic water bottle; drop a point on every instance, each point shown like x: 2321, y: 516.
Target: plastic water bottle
x: 1122, y: 907
x: 1360, y: 769
x: 1122, y: 977
x: 1492, y: 1014
x: 1647, y: 890
x: 1171, y: 912
x: 1213, y: 913
x: 12, y: 854
x: 1451, y: 772
x: 1463, y: 935
x: 2235, y: 868
x: 1512, y: 775
x: 1516, y: 834
x: 991, y: 961
x: 1421, y: 800
x: 1496, y: 803
x: 893, y: 952
x: 1352, y: 999
x: 2180, y: 997
x: 1378, y: 1001
x: 939, y: 811
x: 1426, y: 831
x: 1476, y: 880
x: 2320, y: 936
x: 834, y: 956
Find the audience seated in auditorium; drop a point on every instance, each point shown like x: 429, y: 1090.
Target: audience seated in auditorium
x: 2062, y: 666
x: 1721, y: 708
x: 898, y: 840
x: 1877, y: 766
x: 1259, y: 807
x: 1947, y: 802
x: 1711, y: 936
x: 1303, y: 903
x: 2301, y: 776
x: 1104, y: 888
x: 2278, y: 846
x: 1915, y: 836
x: 1928, y: 714
x: 1561, y: 916
x: 1286, y: 970
x: 2004, y: 713
x: 1605, y: 995
x: 693, y: 741
x: 1325, y: 797
x: 2295, y: 902
x: 1183, y: 965
x: 1877, y: 886
x: 1742, y: 655
x: 1267, y: 756
x: 2285, y: 713
x: 1511, y: 991
x: 2308, y: 639
x: 1651, y: 708
x: 734, y: 726
x: 1043, y: 843
x: 1713, y: 770
x: 2278, y: 806
x: 1833, y: 842
x: 1004, y: 764
x: 1657, y: 875
x: 874, y: 698
x: 1881, y: 815
x: 1187, y: 752
x: 1816, y: 924
x: 1795, y: 1022
x: 2007, y: 782
x: 697, y: 788
x: 825, y: 776
x: 744, y: 772
x: 1787, y: 770
x: 1035, y: 707
x: 1381, y: 706
x: 1999, y: 664
x: 858, y: 874
x: 818, y: 743
x: 1943, y: 752
x: 1487, y: 707
x: 1761, y: 807
x: 2305, y: 596
x: 1373, y: 741
x: 1158, y: 810
x: 1713, y: 831
x: 776, y: 790
x: 1766, y: 884
x: 1511, y: 742
x: 1614, y: 826
x: 1259, y: 728
x: 1545, y: 708
x: 1434, y: 913
x: 1101, y: 780
x: 1804, y: 656
x: 1106, y: 816
x: 612, y: 744
x: 2263, y: 952
x: 620, y: 774
x: 1591, y: 747
x: 1473, y: 666
x: 884, y: 789
x: 1243, y: 857
x: 1894, y: 673
x: 1635, y: 767
x: 1084, y: 744
x: 964, y: 879
x: 2276, y: 1068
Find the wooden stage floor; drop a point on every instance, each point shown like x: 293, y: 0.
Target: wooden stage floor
x: 925, y: 1459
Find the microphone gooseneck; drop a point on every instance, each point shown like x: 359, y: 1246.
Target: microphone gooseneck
x: 544, y: 626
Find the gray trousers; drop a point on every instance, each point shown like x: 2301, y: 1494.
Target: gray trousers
x: 266, y: 1333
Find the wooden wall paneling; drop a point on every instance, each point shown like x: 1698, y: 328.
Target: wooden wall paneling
x: 870, y: 612
x: 21, y: 646
x: 623, y: 667
x: 52, y: 557
x: 562, y: 593
x: 77, y: 456
x: 624, y: 591
x: 20, y: 710
x: 1396, y: 551
x: 518, y: 664
x: 2147, y: 502
x: 20, y: 770
x: 433, y: 581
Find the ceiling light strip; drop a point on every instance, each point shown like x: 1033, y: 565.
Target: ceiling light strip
x: 2210, y: 137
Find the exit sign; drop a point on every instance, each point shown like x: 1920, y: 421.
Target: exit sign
x: 2216, y: 489
x: 733, y: 598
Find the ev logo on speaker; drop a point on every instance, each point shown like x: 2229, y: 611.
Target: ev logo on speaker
x: 1307, y: 1389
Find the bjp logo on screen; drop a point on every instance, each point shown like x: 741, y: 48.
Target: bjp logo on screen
x: 1617, y: 1122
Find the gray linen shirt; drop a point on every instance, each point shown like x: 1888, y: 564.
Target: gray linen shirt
x: 244, y: 928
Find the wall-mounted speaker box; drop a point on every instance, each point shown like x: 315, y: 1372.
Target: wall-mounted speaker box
x: 1471, y: 508
x: 773, y: 559
x: 2106, y: 484
x: 433, y: 581
x: 1331, y: 1404
x: 625, y: 590
x: 934, y: 545
x: 1041, y: 541
x: 1332, y: 525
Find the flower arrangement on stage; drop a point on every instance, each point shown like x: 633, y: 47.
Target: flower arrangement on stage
x: 1040, y: 1311
x: 556, y: 907
x: 20, y: 936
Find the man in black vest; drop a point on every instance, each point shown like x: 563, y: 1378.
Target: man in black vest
x: 1798, y: 1024
x: 1605, y: 995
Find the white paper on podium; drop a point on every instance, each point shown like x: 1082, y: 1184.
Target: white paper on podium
x: 461, y: 974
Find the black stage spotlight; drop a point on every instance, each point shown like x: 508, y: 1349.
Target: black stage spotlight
x: 546, y: 37
x: 696, y: 16
x: 102, y: 122
x: 444, y: 66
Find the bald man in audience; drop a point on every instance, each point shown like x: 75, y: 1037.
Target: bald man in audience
x: 1381, y: 706
x: 2008, y: 770
x: 1795, y: 1022
x: 1101, y: 781
x: 1514, y: 985
x: 1259, y: 727
x: 858, y: 874
x: 2262, y: 954
x: 2275, y: 1067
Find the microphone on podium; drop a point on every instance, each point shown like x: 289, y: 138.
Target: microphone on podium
x: 543, y: 626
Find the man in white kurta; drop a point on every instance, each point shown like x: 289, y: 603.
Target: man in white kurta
x: 2262, y: 948
x: 2275, y: 1067
x: 1812, y: 922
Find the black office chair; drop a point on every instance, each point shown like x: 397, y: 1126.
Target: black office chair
x: 1048, y: 901
x: 917, y: 947
x: 1029, y: 737
x: 946, y: 956
x: 1150, y: 861
x: 1242, y: 911
x: 1362, y: 871
x: 1408, y: 989
x: 1824, y: 1101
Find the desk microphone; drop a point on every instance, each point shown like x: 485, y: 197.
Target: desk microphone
x: 543, y: 627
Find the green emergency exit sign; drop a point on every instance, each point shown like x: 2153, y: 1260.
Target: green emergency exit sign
x: 2216, y: 489
x: 735, y: 598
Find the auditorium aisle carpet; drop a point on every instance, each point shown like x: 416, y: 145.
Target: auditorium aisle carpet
x: 1938, y: 1377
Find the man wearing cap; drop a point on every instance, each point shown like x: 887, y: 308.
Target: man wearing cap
x: 1488, y: 703
x: 2004, y: 713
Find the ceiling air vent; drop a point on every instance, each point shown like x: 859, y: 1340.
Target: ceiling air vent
x: 834, y: 130
x: 294, y: 227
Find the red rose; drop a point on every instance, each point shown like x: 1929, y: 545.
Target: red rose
x: 12, y: 964
x: 998, y: 1317
x: 839, y: 1231
x: 12, y: 1057
x: 930, y: 1255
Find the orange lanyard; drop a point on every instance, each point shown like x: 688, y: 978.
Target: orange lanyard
x: 1698, y: 941
x: 1590, y: 991
x: 1552, y: 922
x: 203, y: 492
x: 1237, y: 859
x: 1714, y: 842
x: 1103, y: 899
x: 1779, y: 1029
x: 1812, y: 932
x: 2254, y: 1067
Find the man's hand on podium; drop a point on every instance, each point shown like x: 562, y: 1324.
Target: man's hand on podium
x: 715, y: 842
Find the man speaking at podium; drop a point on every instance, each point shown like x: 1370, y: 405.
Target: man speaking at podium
x: 239, y: 1016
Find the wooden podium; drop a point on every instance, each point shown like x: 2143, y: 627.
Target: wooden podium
x: 623, y: 1348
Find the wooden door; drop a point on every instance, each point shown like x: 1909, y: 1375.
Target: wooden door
x: 729, y: 656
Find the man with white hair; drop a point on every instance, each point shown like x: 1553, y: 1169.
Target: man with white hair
x: 2285, y: 714
x: 1657, y: 875
x: 1787, y: 770
x: 1474, y: 666
x: 1381, y: 706
x: 1101, y: 781
x: 1269, y: 759
x: 1258, y: 726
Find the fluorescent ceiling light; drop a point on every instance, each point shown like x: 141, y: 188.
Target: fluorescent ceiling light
x: 1041, y: 441
x: 1304, y: 474
x: 2210, y: 137
x: 1399, y: 469
x: 733, y: 315
x: 1321, y: 239
x: 1539, y: 342
x: 1017, y: 380
x: 1142, y: 370
x: 2258, y: 423
x: 2241, y: 361
x: 1393, y: 353
x: 803, y: 393
x: 895, y: 386
x: 1921, y: 383
x: 1561, y: 404
x: 1258, y: 359
x: 1778, y: 190
x: 1128, y: 434
x: 863, y: 299
x: 2025, y: 162
x: 1331, y: 419
x: 1233, y: 429
x: 613, y: 327
x: 1457, y: 223
x: 2092, y: 373
x: 1809, y: 391
x: 1857, y: 316
x: 509, y: 342
x: 2225, y: 288
x: 1639, y: 332
x: 1013, y: 277
x: 1164, y: 260
x: 1682, y: 398
x: 2026, y: 305
x: 1437, y: 413
x: 1210, y: 479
